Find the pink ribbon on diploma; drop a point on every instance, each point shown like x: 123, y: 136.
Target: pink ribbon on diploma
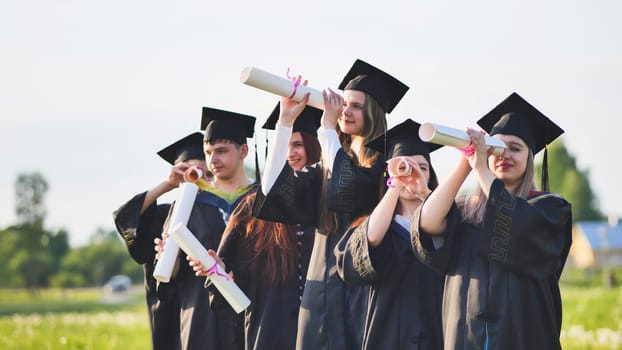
x: 213, y: 270
x: 390, y: 182
x: 296, y: 82
x: 468, y: 150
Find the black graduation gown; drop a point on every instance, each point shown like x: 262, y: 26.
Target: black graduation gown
x: 405, y: 296
x: 202, y: 328
x: 138, y: 231
x: 271, y: 319
x: 332, y: 313
x: 501, y: 288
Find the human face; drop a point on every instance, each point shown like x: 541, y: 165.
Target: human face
x: 224, y: 158
x: 297, y: 155
x: 511, y: 165
x: 408, y: 193
x: 352, y: 119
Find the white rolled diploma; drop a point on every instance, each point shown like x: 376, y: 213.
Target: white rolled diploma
x: 181, y: 214
x: 193, y: 174
x: 221, y: 280
x: 447, y: 136
x: 398, y: 166
x: 280, y: 86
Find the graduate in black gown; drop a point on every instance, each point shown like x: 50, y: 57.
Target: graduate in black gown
x: 225, y: 148
x: 330, y: 195
x: 405, y: 295
x: 269, y: 260
x: 140, y: 220
x: 506, y: 245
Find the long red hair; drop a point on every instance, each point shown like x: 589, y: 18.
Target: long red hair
x: 273, y: 244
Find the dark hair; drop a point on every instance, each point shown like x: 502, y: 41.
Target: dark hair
x: 312, y: 147
x: 215, y: 141
x: 273, y: 244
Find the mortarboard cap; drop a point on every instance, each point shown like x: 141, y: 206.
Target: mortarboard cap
x: 384, y: 88
x: 220, y: 124
x: 402, y: 140
x: 308, y: 121
x: 189, y: 147
x: 515, y: 116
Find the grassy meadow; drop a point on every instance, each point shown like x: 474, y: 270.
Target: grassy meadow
x: 92, y: 319
x: 73, y: 319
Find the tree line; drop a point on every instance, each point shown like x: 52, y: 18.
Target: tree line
x: 33, y: 257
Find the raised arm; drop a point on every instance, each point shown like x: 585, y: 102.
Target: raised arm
x: 434, y: 212
x: 175, y: 177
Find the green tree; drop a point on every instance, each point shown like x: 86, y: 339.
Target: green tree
x: 93, y: 264
x: 571, y: 182
x: 30, y: 254
x: 30, y: 191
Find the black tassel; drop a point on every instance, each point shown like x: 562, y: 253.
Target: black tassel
x: 257, y: 175
x: 265, y: 155
x: 545, y: 172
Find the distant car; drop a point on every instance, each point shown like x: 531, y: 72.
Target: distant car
x: 118, y: 284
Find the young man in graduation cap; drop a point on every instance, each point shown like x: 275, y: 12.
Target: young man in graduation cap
x: 331, y: 195
x: 140, y: 221
x: 505, y: 246
x: 405, y: 295
x: 269, y: 260
x: 225, y: 147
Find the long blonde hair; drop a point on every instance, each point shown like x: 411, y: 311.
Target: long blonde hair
x: 375, y: 124
x: 473, y: 207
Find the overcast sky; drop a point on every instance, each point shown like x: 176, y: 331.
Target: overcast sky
x: 91, y: 90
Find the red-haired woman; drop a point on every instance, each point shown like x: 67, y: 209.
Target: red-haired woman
x: 269, y: 260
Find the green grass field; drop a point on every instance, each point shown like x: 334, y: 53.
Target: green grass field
x: 76, y: 319
x: 91, y: 319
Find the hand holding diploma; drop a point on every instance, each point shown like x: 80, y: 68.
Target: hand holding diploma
x: 447, y: 136
x: 220, y: 279
x: 180, y: 215
x: 404, y: 172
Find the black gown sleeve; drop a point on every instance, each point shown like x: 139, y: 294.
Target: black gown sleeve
x: 293, y: 199
x: 439, y: 259
x: 530, y: 237
x: 138, y: 231
x: 360, y: 264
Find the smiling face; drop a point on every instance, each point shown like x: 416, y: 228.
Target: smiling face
x: 352, y: 119
x: 297, y: 155
x: 511, y: 165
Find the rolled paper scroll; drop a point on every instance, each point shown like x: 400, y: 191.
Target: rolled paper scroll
x: 447, y: 136
x: 280, y: 86
x: 220, y: 279
x: 398, y: 166
x: 180, y: 215
x: 193, y: 174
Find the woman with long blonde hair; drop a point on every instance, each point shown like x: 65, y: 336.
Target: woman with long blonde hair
x: 504, y: 247
x: 330, y: 195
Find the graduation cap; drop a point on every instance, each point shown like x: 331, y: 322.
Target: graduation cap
x: 308, y: 121
x: 189, y: 147
x: 220, y: 124
x: 402, y: 140
x: 384, y: 88
x: 515, y: 116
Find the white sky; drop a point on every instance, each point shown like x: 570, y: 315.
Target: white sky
x: 90, y: 90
